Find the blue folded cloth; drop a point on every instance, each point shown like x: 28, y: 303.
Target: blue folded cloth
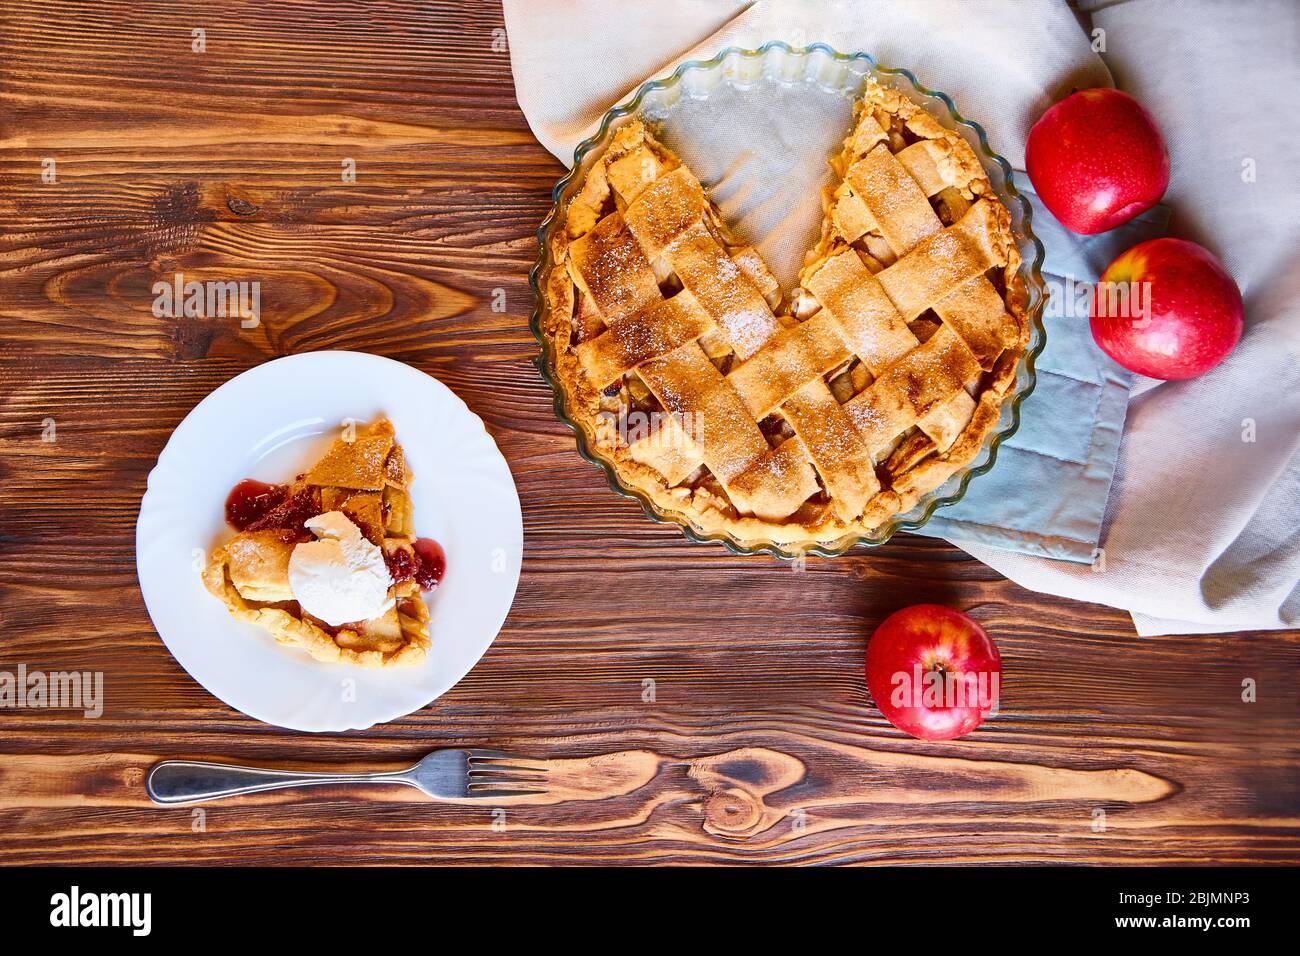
x: 1046, y: 495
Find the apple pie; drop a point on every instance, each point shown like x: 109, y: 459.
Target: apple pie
x: 330, y: 562
x: 788, y: 420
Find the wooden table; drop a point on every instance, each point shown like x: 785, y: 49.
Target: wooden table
x: 760, y: 743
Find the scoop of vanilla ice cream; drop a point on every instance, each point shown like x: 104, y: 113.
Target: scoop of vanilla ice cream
x: 340, y: 577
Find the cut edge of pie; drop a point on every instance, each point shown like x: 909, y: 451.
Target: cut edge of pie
x: 791, y: 422
x: 367, y: 480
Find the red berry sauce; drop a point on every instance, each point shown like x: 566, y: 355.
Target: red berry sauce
x: 257, y: 506
x: 400, y: 565
x: 432, y: 563
x: 426, y: 566
x: 250, y: 500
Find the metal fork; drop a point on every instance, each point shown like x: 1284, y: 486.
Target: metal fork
x: 443, y: 775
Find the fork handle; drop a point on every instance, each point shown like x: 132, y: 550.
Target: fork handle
x: 193, y: 781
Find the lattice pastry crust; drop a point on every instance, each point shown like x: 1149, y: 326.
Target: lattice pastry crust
x: 799, y: 421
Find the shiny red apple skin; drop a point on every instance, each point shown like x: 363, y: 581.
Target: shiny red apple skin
x: 931, y: 636
x: 1096, y: 160
x: 1195, y: 310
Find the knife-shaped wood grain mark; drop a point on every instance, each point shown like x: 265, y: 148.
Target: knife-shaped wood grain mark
x: 750, y: 790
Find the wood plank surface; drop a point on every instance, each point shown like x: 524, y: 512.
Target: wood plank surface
x: 760, y: 743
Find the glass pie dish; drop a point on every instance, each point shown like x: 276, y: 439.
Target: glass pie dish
x: 766, y: 175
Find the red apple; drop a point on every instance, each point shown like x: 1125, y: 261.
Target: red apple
x: 1168, y: 309
x: 1097, y: 159
x: 933, y: 672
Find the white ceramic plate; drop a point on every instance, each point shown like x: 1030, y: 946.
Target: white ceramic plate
x: 270, y: 423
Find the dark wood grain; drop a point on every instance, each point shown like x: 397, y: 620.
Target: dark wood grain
x: 761, y: 743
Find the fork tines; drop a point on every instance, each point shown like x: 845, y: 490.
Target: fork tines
x: 493, y: 773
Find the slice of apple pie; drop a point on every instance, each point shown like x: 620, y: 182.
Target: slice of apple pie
x: 330, y: 562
